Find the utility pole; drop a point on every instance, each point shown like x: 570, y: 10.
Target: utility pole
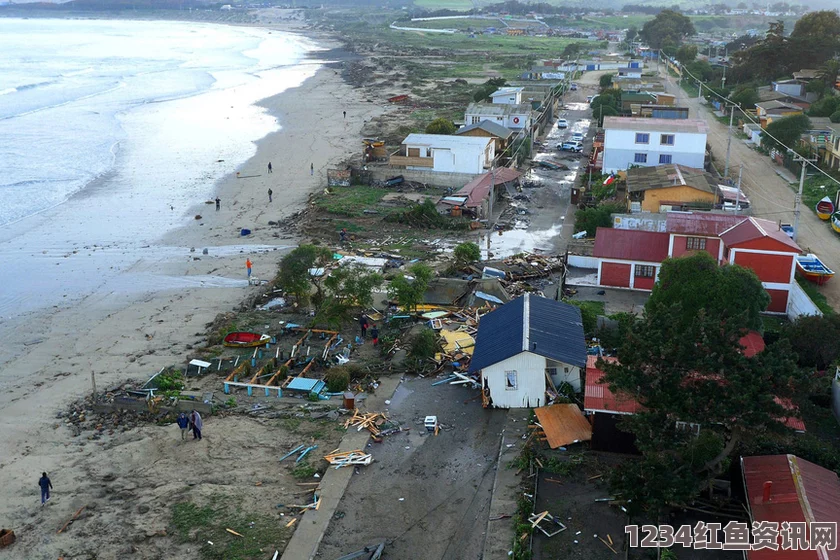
x: 798, y: 201
x: 699, y: 91
x: 738, y: 196
x: 731, y: 107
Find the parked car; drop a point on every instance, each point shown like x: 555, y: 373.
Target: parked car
x: 576, y: 147
x: 577, y: 137
x: 562, y: 123
x: 573, y: 87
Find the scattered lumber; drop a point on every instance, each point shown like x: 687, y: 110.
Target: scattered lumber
x: 608, y: 545
x: 369, y: 421
x: 345, y: 458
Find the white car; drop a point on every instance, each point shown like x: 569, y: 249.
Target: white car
x: 562, y: 123
x: 577, y: 137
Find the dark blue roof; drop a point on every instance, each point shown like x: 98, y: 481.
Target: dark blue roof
x: 554, y: 331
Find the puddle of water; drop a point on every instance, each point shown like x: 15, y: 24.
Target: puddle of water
x: 518, y: 240
x: 400, y: 395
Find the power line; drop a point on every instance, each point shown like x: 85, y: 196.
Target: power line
x: 747, y: 115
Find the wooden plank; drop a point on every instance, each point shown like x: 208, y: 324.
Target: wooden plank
x: 72, y: 519
x: 563, y: 424
x: 232, y: 532
x: 539, y: 518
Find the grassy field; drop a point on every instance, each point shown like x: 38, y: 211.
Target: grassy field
x: 497, y: 44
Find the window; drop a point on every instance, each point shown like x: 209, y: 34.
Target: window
x: 640, y: 158
x: 695, y: 243
x: 645, y: 271
x: 642, y: 138
x: 510, y: 380
x: 551, y: 371
x: 666, y: 139
x: 665, y: 158
x: 690, y: 427
x: 475, y: 120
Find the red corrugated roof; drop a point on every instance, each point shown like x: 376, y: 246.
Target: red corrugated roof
x: 757, y: 228
x: 477, y: 189
x: 598, y: 396
x: 753, y: 343
x: 800, y: 491
x: 631, y: 245
x: 703, y: 224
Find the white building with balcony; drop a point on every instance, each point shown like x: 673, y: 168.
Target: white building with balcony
x: 650, y: 142
x: 508, y: 95
x: 445, y: 153
x: 514, y: 117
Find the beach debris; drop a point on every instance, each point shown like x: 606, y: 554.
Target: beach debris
x: 72, y: 519
x: 547, y: 523
x: 371, y: 421
x: 345, y: 458
x: 232, y: 532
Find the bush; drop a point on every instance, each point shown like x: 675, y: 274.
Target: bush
x: 467, y: 253
x: 423, y: 346
x: 337, y: 379
x: 426, y: 216
x: 440, y: 126
x: 590, y: 219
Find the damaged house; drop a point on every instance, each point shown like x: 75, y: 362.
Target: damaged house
x: 527, y: 348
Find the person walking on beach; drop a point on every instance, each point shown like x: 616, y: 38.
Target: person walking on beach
x: 45, y: 485
x: 269, y: 168
x: 270, y: 192
x: 184, y: 424
x: 248, y: 264
x: 345, y: 114
x: 312, y: 169
x: 374, y: 334
x: 218, y: 203
x: 197, y: 424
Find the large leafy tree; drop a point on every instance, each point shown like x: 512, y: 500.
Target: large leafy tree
x: 686, y: 53
x: 765, y: 60
x: 667, y: 29
x: 346, y: 288
x: 786, y: 131
x: 745, y: 96
x: 440, y: 126
x: 294, y: 275
x: 408, y: 290
x: 684, y: 363
x: 698, y: 283
x: 815, y: 340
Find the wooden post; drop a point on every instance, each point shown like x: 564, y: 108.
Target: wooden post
x: 93, y: 381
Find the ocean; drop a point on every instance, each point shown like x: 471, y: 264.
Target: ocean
x: 112, y: 131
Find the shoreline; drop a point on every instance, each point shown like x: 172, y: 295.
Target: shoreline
x: 120, y: 333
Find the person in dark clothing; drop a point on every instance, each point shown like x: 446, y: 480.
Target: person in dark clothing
x: 184, y: 424
x: 197, y: 424
x: 374, y: 334
x: 270, y: 192
x: 363, y: 323
x: 45, y: 485
x: 345, y: 114
x: 342, y: 235
x: 269, y: 168
x: 218, y: 203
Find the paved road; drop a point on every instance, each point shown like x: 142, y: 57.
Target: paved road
x: 771, y: 196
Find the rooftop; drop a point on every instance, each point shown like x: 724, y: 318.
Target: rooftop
x: 695, y: 126
x: 806, y: 74
x: 631, y: 245
x: 497, y: 109
x: 478, y: 189
x: 489, y: 126
x: 534, y: 324
x: 798, y: 491
x: 507, y: 91
x: 664, y: 176
x: 701, y: 223
x: 777, y: 106
x: 598, y: 397
x: 445, y: 141
x: 751, y: 229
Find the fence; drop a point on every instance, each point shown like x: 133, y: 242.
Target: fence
x: 800, y: 304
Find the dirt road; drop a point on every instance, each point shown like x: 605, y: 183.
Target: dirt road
x: 770, y: 195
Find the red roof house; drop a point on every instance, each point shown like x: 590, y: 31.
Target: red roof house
x: 786, y: 488
x: 629, y: 258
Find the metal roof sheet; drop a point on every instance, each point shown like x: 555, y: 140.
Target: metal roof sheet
x: 445, y: 141
x: 642, y: 124
x: 700, y: 223
x: 542, y: 326
x: 757, y: 228
x: 563, y: 424
x: 799, y: 491
x: 631, y: 245
x: 665, y: 176
x: 478, y: 189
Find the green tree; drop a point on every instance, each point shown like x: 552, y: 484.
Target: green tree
x: 766, y: 59
x: 829, y: 72
x: 488, y: 88
x: 630, y: 36
x: 337, y: 379
x: 696, y: 282
x: 825, y: 106
x: 590, y: 219
x: 606, y: 111
x: 696, y: 372
x: 787, y: 131
x: 466, y: 253
x: 294, y: 276
x: 686, y: 53
x: 440, y: 126
x: 345, y: 289
x: 605, y: 81
x: 573, y: 49
x: 834, y: 117
x: 745, y: 96
x: 668, y: 28
x: 815, y: 340
x: 408, y: 292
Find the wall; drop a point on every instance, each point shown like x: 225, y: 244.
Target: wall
x: 565, y: 374
x: 530, y: 379
x: 682, y: 193
x: 580, y: 261
x: 614, y: 274
x: 769, y: 268
x: 428, y: 177
x: 679, y: 243
x: 800, y: 304
x: 643, y: 222
x: 620, y: 149
x: 778, y: 301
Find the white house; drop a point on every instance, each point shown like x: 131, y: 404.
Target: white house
x: 514, y: 117
x: 508, y: 96
x: 527, y: 348
x: 445, y: 153
x: 795, y: 88
x: 650, y: 142
x: 629, y: 73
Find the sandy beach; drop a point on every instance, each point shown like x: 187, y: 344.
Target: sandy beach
x: 48, y: 357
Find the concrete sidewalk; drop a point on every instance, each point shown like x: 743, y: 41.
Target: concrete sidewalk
x: 312, y: 526
x: 499, y: 535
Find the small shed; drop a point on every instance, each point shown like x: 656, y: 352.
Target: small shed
x: 526, y: 348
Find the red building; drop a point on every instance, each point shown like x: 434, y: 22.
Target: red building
x: 631, y: 258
